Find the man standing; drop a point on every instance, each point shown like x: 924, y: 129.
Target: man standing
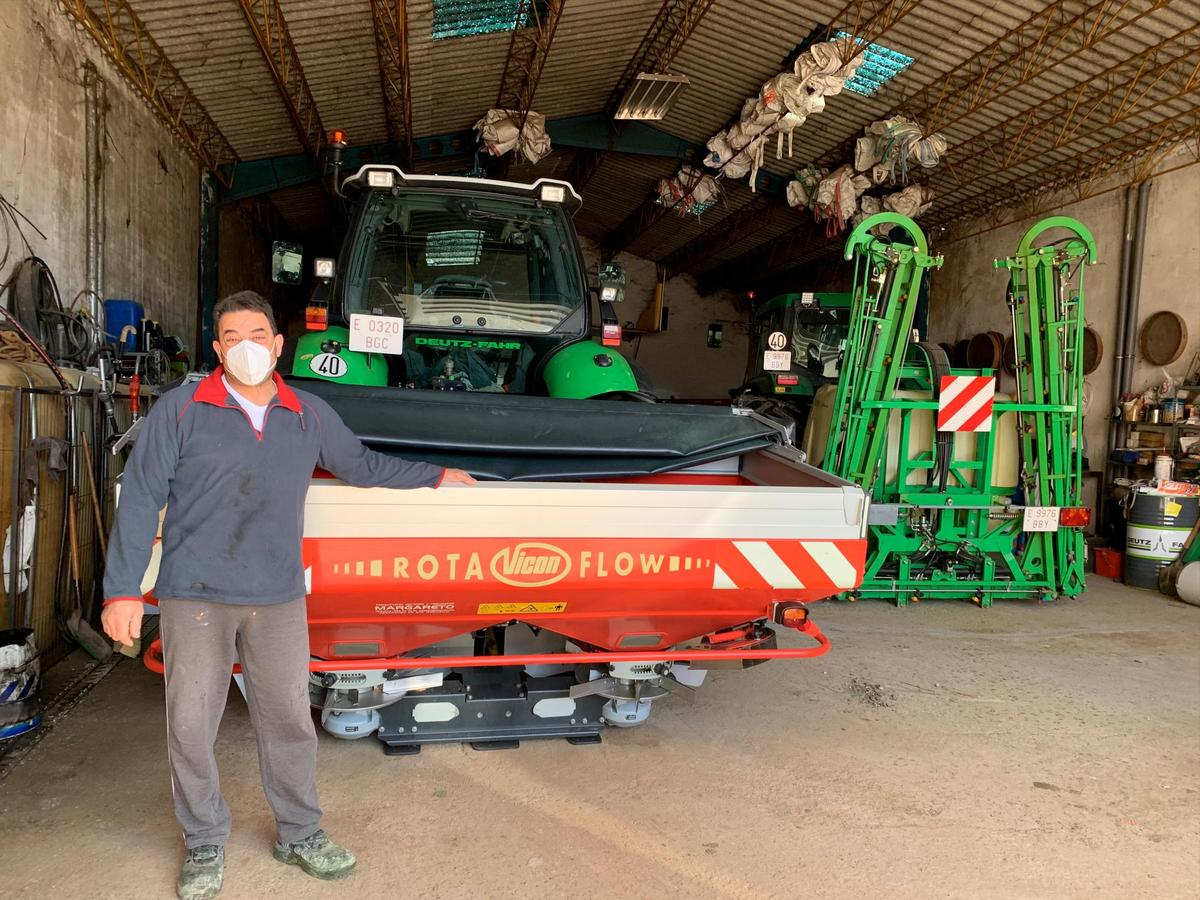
x: 230, y: 457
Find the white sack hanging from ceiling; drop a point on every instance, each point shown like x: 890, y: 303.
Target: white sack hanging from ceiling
x: 499, y: 132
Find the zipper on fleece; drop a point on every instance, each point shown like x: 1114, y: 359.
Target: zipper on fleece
x: 258, y: 434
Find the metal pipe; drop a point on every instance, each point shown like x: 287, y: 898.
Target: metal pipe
x: 1115, y: 426
x: 1123, y: 291
x: 1129, y: 290
x: 14, y: 529
x: 206, y: 267
x: 1137, y: 255
x: 93, y: 86
x: 153, y: 657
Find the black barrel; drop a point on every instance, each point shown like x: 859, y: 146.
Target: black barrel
x: 1157, y: 526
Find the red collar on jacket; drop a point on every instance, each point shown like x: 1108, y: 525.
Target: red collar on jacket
x: 212, y: 390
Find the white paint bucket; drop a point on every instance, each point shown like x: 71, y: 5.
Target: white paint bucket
x: 1164, y: 466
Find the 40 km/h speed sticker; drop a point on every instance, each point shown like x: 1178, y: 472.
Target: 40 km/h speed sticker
x: 328, y: 364
x: 777, y: 340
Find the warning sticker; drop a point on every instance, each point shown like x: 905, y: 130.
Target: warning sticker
x: 512, y: 609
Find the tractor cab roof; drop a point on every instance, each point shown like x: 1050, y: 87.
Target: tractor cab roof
x: 547, y: 190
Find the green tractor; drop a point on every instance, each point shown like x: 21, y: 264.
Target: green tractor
x: 460, y: 284
x: 795, y: 348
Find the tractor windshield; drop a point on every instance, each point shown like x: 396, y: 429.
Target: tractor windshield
x: 447, y: 261
x: 812, y: 333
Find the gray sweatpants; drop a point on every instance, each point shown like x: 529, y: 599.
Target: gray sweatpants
x: 201, y: 642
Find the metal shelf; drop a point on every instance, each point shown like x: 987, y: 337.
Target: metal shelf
x: 1171, y: 432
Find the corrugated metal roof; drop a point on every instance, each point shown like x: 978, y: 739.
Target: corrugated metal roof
x: 673, y: 230
x: 336, y: 46
x: 592, y: 46
x: 619, y: 187
x: 730, y: 54
x: 212, y: 47
x: 454, y: 80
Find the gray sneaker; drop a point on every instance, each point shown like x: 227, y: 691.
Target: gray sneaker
x: 318, y: 856
x: 202, y: 874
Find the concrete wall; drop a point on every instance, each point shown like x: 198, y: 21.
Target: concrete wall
x: 967, y: 295
x: 245, y: 255
x: 151, y: 185
x: 679, y: 361
x: 245, y: 265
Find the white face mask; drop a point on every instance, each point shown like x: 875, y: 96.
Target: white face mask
x: 249, y: 363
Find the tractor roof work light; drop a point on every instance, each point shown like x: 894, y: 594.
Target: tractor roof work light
x: 381, y: 178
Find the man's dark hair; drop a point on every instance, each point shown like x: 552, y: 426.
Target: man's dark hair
x: 243, y: 301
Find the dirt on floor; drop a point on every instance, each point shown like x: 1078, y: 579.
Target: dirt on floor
x: 937, y: 751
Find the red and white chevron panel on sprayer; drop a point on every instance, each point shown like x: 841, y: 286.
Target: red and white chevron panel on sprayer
x: 785, y: 564
x: 965, y: 403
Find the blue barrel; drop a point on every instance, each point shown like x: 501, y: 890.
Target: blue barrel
x: 118, y: 314
x: 1157, y: 526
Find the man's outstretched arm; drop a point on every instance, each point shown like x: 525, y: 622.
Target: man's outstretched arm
x: 343, y: 454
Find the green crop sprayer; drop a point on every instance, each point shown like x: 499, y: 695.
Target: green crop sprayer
x: 976, y: 494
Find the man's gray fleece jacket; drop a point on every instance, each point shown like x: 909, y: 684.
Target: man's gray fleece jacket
x: 234, y: 496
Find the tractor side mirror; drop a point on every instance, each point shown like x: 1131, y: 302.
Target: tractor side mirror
x: 612, y: 283
x: 287, y: 261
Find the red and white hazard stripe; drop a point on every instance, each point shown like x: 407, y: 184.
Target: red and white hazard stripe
x: 786, y: 565
x: 965, y: 403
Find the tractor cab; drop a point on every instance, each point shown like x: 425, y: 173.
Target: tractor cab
x: 460, y: 284
x: 795, y: 348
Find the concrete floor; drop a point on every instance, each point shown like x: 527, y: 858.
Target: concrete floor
x: 938, y: 751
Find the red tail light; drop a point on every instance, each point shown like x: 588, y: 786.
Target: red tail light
x: 788, y: 380
x: 611, y: 335
x: 316, y: 318
x: 1075, y: 517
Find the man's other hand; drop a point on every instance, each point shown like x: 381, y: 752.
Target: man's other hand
x: 457, y: 476
x: 122, y: 621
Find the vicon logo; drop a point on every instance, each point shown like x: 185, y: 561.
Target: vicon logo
x: 531, y: 565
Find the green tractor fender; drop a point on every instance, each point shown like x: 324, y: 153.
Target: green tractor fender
x: 326, y: 355
x: 587, y: 369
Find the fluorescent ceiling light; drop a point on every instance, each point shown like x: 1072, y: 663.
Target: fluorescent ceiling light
x: 650, y: 97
